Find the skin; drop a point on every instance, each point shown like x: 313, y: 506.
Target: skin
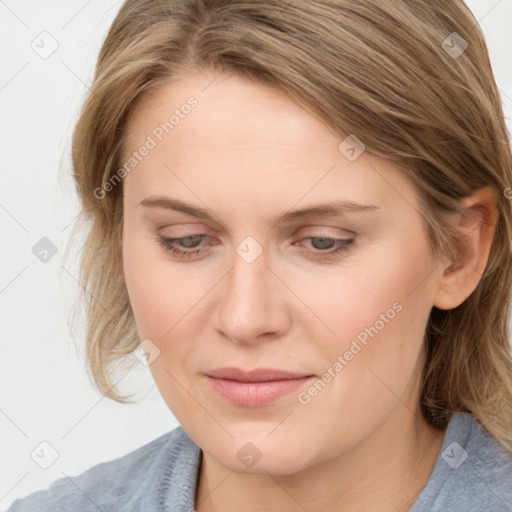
x: 247, y: 153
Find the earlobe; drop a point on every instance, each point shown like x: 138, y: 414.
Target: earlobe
x: 462, y: 275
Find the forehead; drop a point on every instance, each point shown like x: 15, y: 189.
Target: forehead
x: 249, y: 139
x: 230, y: 110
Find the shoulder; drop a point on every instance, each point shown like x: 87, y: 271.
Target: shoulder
x: 473, y: 471
x: 117, y: 484
x: 490, y: 466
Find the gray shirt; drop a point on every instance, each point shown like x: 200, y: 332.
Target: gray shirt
x: 472, y: 474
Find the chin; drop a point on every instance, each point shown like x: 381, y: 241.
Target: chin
x: 258, y: 454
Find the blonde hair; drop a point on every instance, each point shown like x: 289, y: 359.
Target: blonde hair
x: 392, y: 73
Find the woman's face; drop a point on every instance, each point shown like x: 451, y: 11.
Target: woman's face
x: 262, y: 287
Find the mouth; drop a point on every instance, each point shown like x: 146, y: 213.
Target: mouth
x: 255, y: 388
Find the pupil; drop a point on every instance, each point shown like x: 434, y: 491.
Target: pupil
x: 190, y: 238
x: 325, y: 243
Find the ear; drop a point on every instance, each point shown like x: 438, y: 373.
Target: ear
x: 462, y: 275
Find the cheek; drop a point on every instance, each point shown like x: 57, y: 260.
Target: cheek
x: 367, y: 291
x: 376, y: 313
x: 161, y: 291
x: 162, y: 297
x: 145, y: 293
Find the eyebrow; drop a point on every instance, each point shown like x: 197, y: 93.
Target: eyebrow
x: 331, y: 209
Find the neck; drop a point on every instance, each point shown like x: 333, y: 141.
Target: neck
x: 385, y: 471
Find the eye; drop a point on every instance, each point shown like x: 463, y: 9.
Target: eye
x: 191, y: 242
x: 341, y: 245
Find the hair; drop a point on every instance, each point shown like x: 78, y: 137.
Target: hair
x: 382, y: 71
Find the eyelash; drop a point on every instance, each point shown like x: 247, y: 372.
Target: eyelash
x: 343, y: 246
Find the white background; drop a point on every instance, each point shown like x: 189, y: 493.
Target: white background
x: 45, y: 394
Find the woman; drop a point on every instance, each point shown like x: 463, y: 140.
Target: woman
x: 303, y: 211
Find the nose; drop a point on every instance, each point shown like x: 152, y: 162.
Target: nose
x: 252, y: 306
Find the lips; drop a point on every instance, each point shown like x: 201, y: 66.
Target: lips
x: 257, y: 375
x: 255, y: 388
